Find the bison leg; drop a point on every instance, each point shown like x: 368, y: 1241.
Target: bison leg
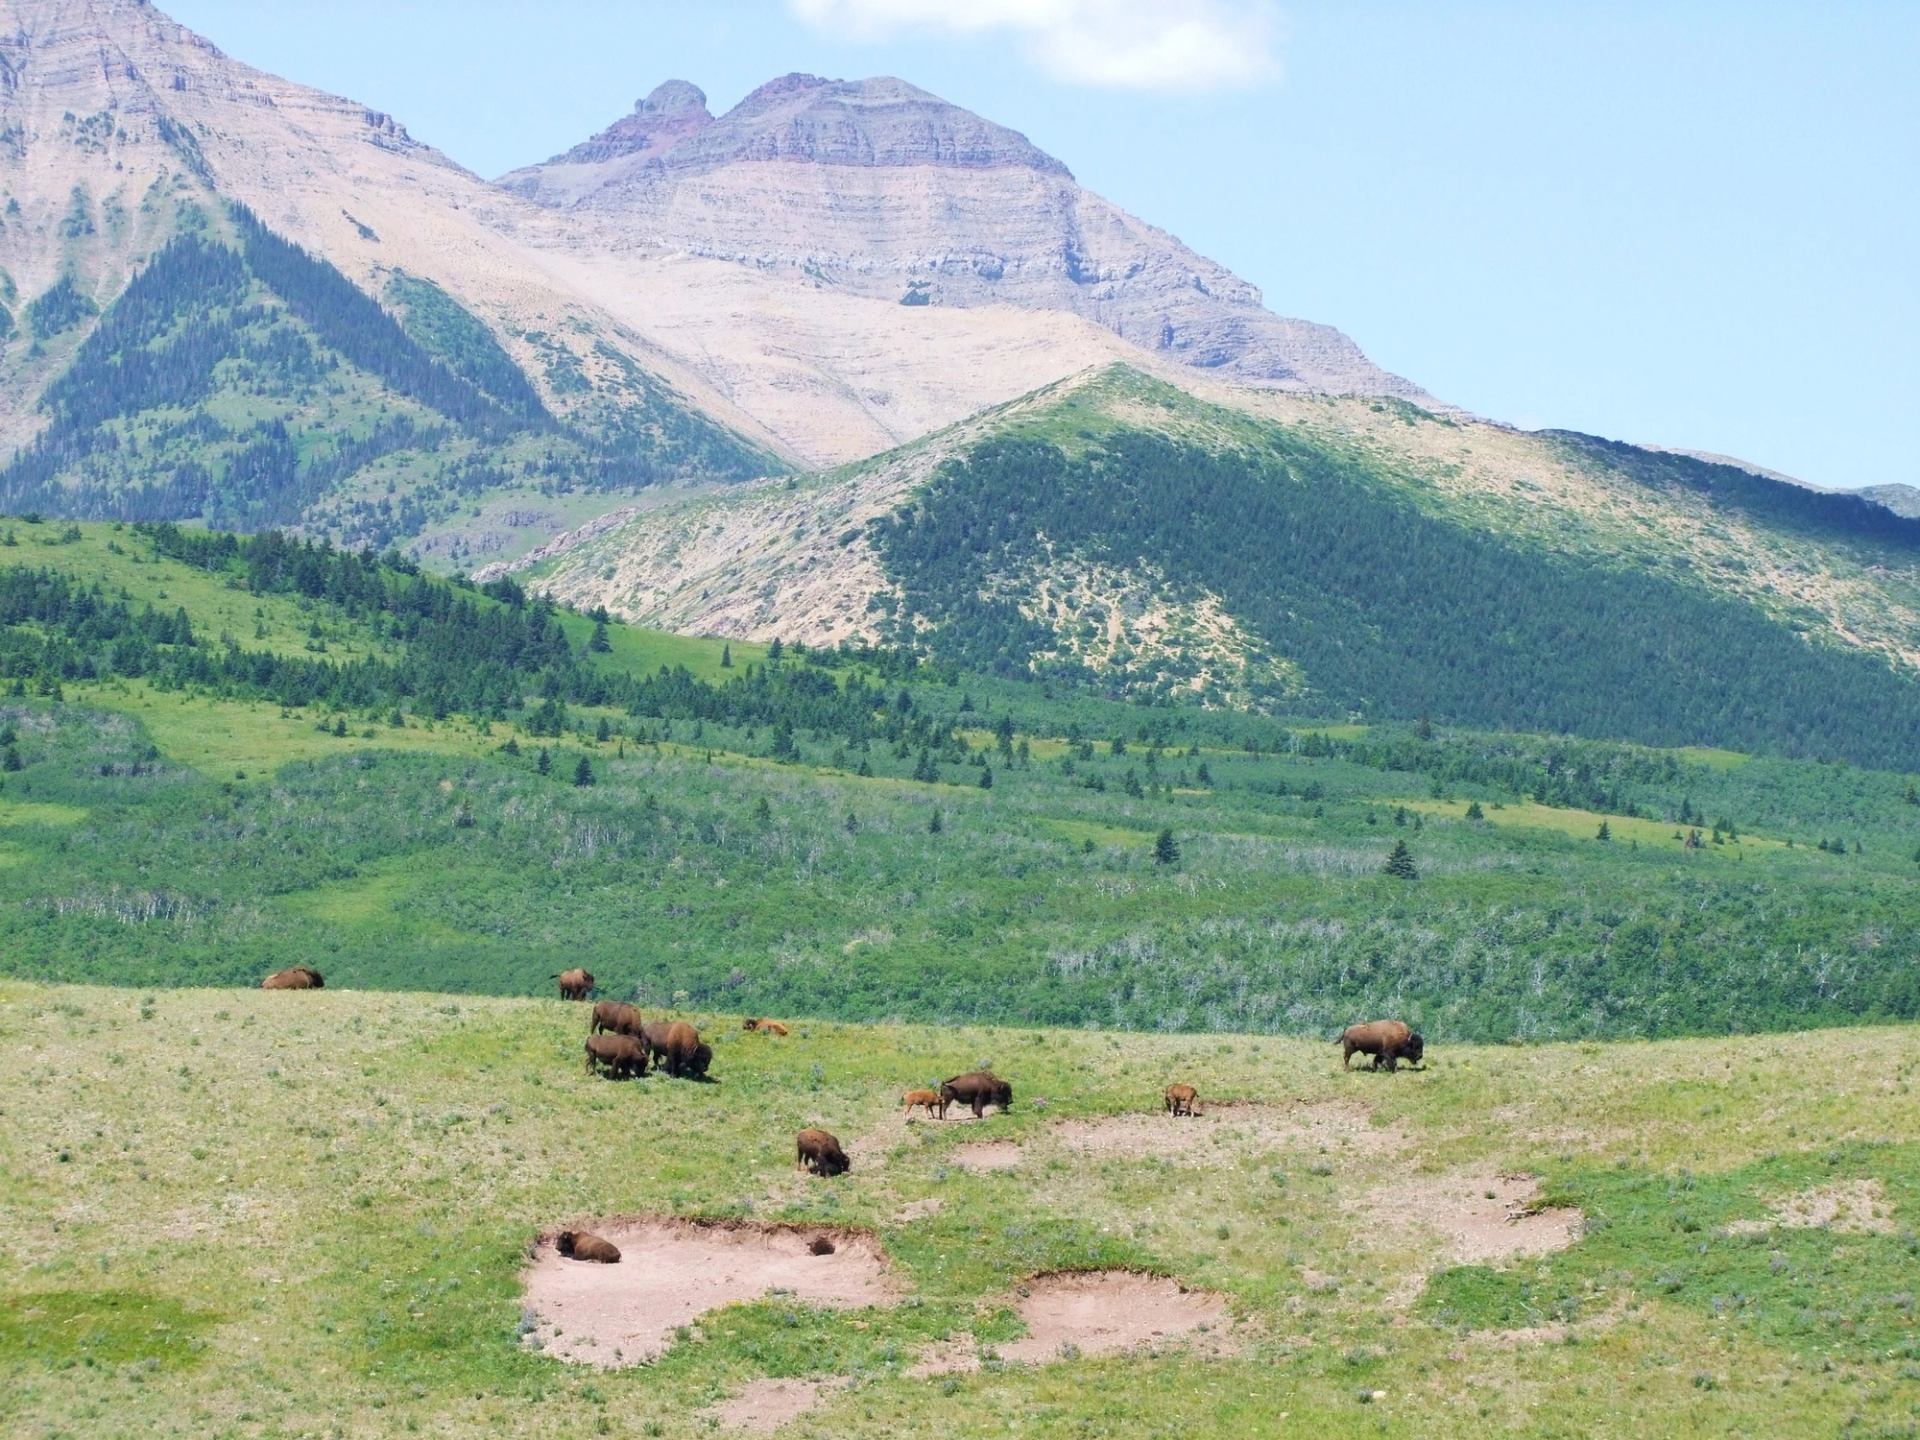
x: 1346, y: 1055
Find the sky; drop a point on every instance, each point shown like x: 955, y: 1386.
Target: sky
x: 1693, y: 224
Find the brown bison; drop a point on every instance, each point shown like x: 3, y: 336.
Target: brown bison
x: 978, y: 1089
x: 574, y: 984
x: 1181, y: 1099
x: 675, y: 1047
x: 621, y: 1056
x: 294, y: 977
x: 617, y: 1016
x: 1388, y: 1040
x: 819, y: 1152
x: 766, y: 1027
x: 581, y: 1245
x: 928, y: 1100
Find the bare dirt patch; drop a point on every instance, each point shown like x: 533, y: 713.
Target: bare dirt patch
x: 985, y: 1156
x: 1104, y: 1312
x: 1480, y: 1218
x: 917, y: 1210
x: 1851, y: 1207
x: 762, y: 1406
x: 1238, y: 1125
x: 672, y: 1271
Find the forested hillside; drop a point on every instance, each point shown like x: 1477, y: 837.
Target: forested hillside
x: 1357, y: 595
x: 222, y: 753
x: 242, y: 382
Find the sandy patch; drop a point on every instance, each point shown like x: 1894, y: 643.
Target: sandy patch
x: 763, y: 1406
x: 986, y: 1156
x: 917, y: 1210
x: 959, y: 1355
x: 1480, y: 1218
x: 1851, y: 1207
x: 1230, y: 1126
x: 1553, y: 1332
x: 673, y: 1271
x: 1104, y: 1312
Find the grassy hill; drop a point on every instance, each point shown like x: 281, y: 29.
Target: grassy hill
x: 229, y: 1212
x: 343, y: 763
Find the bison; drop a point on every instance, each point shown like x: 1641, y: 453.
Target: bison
x: 928, y: 1100
x: 582, y: 1245
x: 621, y: 1056
x: 819, y: 1152
x: 1388, y: 1040
x: 617, y: 1016
x: 675, y: 1047
x: 574, y: 984
x: 765, y: 1027
x: 978, y: 1089
x: 294, y: 977
x: 1181, y: 1099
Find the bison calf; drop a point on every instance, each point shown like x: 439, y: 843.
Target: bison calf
x: 581, y: 1245
x: 621, y: 1056
x: 928, y: 1100
x: 1388, y: 1040
x: 765, y: 1027
x: 1180, y: 1099
x: 820, y: 1152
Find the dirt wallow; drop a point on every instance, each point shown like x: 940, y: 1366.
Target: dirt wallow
x: 1468, y: 1217
x: 674, y: 1270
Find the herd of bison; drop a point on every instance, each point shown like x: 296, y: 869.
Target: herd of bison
x: 622, y: 1045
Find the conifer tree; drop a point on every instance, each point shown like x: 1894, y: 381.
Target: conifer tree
x: 1605, y: 832
x: 583, y: 773
x: 1400, y: 863
x: 1166, y: 850
x: 543, y: 762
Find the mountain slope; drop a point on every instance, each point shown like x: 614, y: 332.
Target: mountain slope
x: 878, y: 187
x: 1120, y: 533
x: 1901, y: 499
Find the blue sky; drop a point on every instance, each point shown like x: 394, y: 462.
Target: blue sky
x: 1688, y: 224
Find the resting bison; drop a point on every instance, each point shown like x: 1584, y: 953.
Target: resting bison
x: 1388, y: 1040
x: 1180, y: 1099
x: 580, y: 1245
x: 765, y: 1027
x: 978, y: 1089
x: 617, y: 1016
x: 622, y: 1056
x: 574, y: 984
x: 675, y: 1047
x: 294, y: 977
x: 819, y: 1152
x: 928, y: 1100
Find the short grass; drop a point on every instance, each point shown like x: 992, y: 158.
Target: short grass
x: 1585, y: 825
x: 235, y: 1213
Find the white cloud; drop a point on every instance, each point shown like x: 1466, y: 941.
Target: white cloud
x: 1118, y: 44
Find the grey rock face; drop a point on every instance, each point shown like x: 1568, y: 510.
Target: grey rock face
x: 880, y: 188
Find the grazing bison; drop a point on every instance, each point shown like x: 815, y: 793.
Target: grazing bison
x: 928, y: 1100
x: 1388, y: 1040
x: 574, y: 984
x: 1181, y: 1099
x: 622, y: 1056
x: 819, y: 1152
x: 978, y: 1089
x: 581, y: 1245
x: 675, y: 1047
x: 617, y: 1016
x: 294, y: 977
x: 765, y: 1027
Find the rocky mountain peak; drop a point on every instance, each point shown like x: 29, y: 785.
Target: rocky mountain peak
x: 673, y: 111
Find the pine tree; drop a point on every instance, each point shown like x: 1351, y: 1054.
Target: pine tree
x: 1166, y: 850
x: 776, y: 649
x: 762, y: 812
x: 583, y: 773
x: 11, y: 762
x: 543, y: 763
x: 1474, y: 812
x: 1605, y: 832
x: 1204, y: 775
x: 986, y: 777
x: 600, y: 644
x: 512, y: 747
x: 852, y: 823
x: 603, y: 732
x: 934, y: 824
x: 1400, y: 863
x: 726, y: 657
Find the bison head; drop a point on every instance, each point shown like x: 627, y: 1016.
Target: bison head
x: 1416, y: 1048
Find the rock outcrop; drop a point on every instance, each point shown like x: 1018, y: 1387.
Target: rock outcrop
x: 878, y: 187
